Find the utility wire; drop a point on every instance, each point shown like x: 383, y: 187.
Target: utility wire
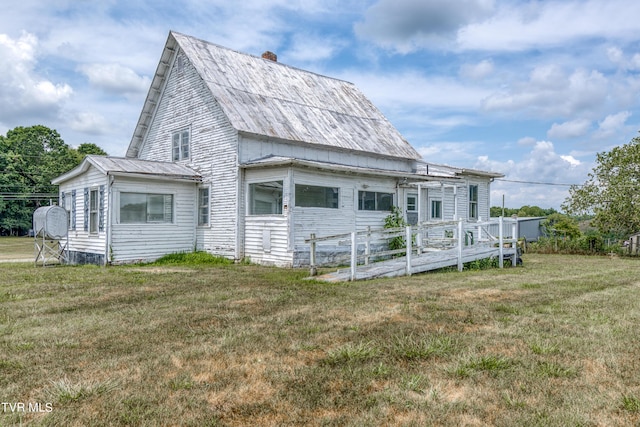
x: 539, y: 183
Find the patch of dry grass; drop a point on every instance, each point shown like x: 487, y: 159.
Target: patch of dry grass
x: 551, y: 344
x: 16, y: 248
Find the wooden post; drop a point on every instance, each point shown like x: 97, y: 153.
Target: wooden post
x: 367, y: 246
x: 500, y: 243
x: 354, y: 255
x: 312, y: 256
x: 460, y: 243
x: 514, y: 243
x: 409, y: 249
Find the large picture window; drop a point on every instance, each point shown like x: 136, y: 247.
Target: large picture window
x: 265, y: 198
x: 180, y: 145
x: 473, y: 201
x: 312, y: 196
x: 136, y: 208
x: 374, y: 201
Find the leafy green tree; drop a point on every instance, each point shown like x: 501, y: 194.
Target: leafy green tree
x: 30, y: 157
x: 558, y: 224
x: 524, y: 211
x: 87, y: 148
x: 612, y: 191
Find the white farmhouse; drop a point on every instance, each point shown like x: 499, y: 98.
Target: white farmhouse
x: 244, y: 157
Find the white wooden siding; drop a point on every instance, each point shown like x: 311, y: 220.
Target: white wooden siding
x: 79, y: 239
x: 146, y: 242
x: 187, y: 103
x: 267, y: 240
x: 251, y: 149
x: 270, y: 232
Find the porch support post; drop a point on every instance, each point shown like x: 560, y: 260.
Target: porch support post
x: 419, y: 205
x: 500, y: 242
x: 460, y: 243
x: 514, y: 244
x: 354, y: 255
x: 409, y: 249
x: 367, y: 246
x: 312, y: 256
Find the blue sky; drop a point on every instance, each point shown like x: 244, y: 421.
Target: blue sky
x: 531, y: 89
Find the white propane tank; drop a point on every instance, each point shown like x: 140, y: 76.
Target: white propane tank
x: 50, y: 222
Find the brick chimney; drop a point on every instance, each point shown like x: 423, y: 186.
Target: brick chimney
x: 270, y: 56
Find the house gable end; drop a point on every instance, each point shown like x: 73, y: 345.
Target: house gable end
x: 262, y: 97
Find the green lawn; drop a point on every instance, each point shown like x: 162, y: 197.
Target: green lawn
x: 14, y: 248
x: 554, y: 343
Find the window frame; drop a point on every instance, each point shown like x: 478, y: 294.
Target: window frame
x: 251, y: 199
x: 181, y: 145
x: 204, y: 208
x: 412, y: 207
x: 331, y: 194
x: 473, y: 201
x: 170, y: 221
x: 94, y: 211
x: 432, y: 203
x: 364, y: 200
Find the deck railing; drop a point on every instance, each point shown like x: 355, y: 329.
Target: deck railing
x: 371, y: 245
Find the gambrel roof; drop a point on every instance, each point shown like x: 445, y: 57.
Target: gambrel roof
x: 269, y: 99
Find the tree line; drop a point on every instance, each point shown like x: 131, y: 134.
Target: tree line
x: 30, y: 157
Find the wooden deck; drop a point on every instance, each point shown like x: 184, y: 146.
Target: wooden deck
x: 431, y: 260
x: 430, y: 246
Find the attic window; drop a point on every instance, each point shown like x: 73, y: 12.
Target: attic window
x: 180, y: 145
x: 180, y: 64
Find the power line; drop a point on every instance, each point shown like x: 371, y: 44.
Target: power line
x: 539, y: 183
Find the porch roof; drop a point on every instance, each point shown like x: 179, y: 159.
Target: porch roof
x: 127, y: 166
x: 413, y: 176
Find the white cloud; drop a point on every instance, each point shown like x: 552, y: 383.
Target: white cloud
x: 447, y: 152
x: 407, y: 25
x: 313, y: 48
x: 477, y: 71
x: 552, y: 23
x: 23, y: 92
x: 571, y: 160
x: 611, y: 125
x: 527, y: 141
x: 569, y: 129
x: 539, y: 177
x: 116, y: 78
x: 90, y: 123
x: 551, y: 92
x: 413, y: 89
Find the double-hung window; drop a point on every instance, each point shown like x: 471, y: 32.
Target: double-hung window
x: 93, y: 211
x: 203, y: 206
x: 180, y: 145
x: 473, y: 202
